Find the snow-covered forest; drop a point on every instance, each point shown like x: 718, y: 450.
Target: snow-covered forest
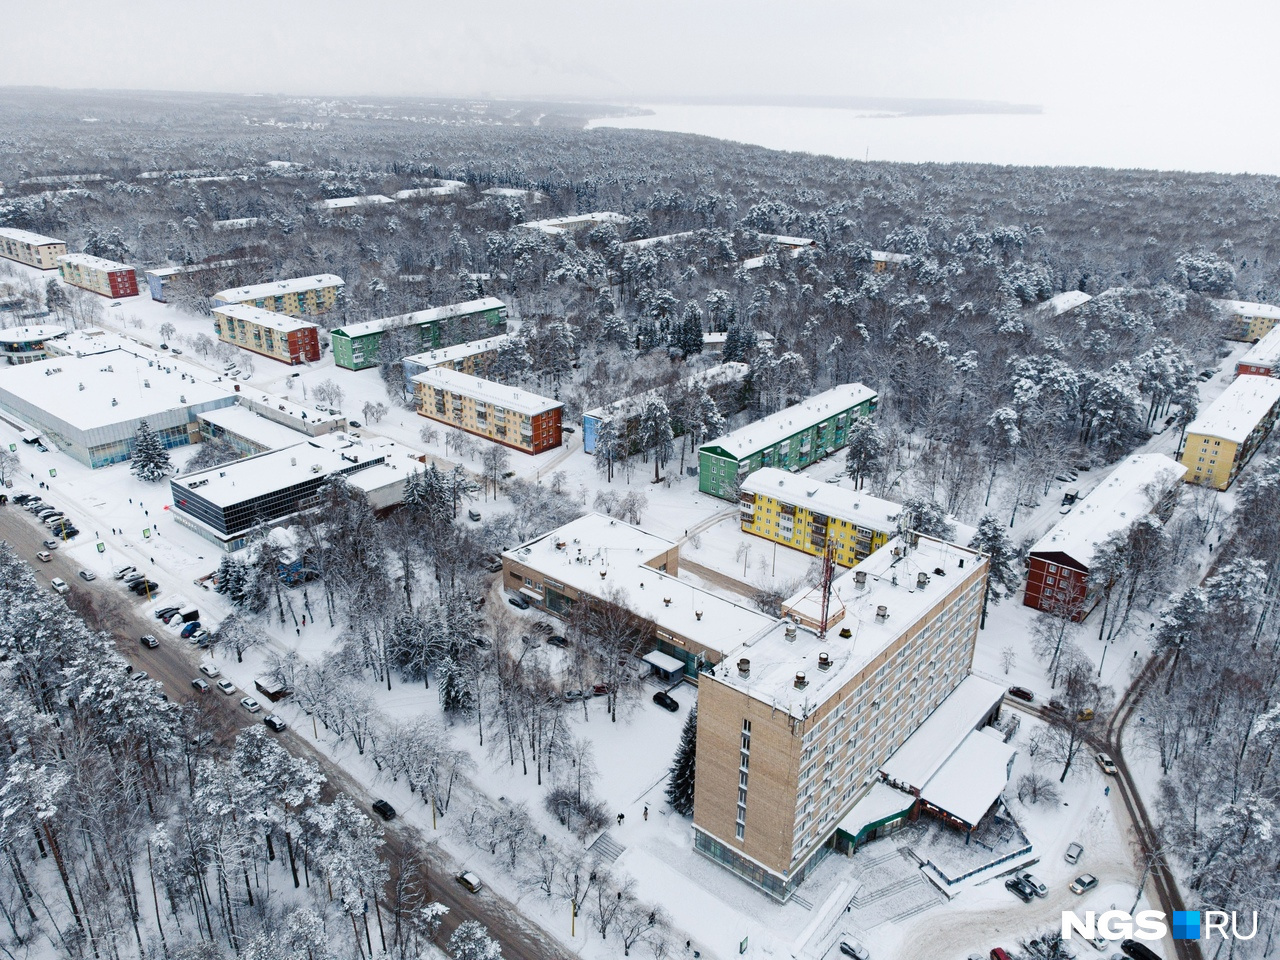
x: 983, y: 400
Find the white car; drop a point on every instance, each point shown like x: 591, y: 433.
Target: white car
x: 852, y: 948
x: 1107, y: 764
x: 209, y: 670
x: 59, y: 585
x: 226, y: 686
x: 44, y: 556
x: 1029, y: 879
x: 251, y: 704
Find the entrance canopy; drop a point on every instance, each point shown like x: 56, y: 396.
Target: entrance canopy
x: 664, y: 662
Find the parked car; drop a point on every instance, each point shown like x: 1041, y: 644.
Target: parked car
x: 164, y: 612
x: 1138, y: 951
x: 555, y: 640
x: 383, y: 809
x: 1100, y: 943
x: 121, y: 572
x: 144, y: 587
x: 852, y: 948
x: 1036, y: 886
x: 139, y: 675
x: 133, y: 576
x: 354, y: 423
x: 519, y: 602
x: 189, y: 629
x: 44, y: 556
x: 1019, y: 889
x: 470, y: 881
x: 88, y: 575
x: 666, y: 701
x: 53, y: 518
x: 226, y: 686
x: 21, y: 498
x: 201, y: 685
x: 250, y: 704
x: 1022, y: 693
x: 1085, y: 715
x: 997, y: 953
x: 65, y: 532
x: 601, y: 690
x: 209, y: 670
x: 275, y: 723
x: 50, y: 544
x: 572, y: 695
x: 1107, y: 764
x: 1083, y: 883
x: 1074, y: 852
x: 149, y: 642
x: 59, y: 585
x: 473, y: 515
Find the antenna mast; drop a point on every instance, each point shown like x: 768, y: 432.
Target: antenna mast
x: 828, y: 574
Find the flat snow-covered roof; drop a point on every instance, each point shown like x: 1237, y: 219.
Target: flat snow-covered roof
x: 652, y: 241
x: 778, y: 426
x: 117, y: 386
x: 785, y: 241
x: 430, y: 315
x: 343, y: 203
x: 596, y: 543
x: 254, y: 426
x: 1238, y: 409
x: 267, y: 472
x: 838, y: 502
x: 775, y: 659
x: 498, y: 394
x: 26, y: 236
x: 972, y: 778
x: 923, y: 753
x: 30, y: 334
x: 459, y: 351
x: 281, y: 322
x: 93, y: 263
x: 1132, y: 489
x: 1264, y: 353
x: 881, y: 256
x: 561, y: 224
x: 276, y: 288
x: 1246, y: 308
x: 1060, y: 303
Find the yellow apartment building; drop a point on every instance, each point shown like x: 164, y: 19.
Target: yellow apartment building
x: 1250, y: 322
x: 1224, y: 437
x: 507, y: 415
x: 278, y: 336
x: 804, y: 514
x: 31, y: 248
x: 299, y: 297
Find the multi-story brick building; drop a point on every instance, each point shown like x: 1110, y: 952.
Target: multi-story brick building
x: 723, y: 384
x: 299, y: 297
x: 507, y: 415
x: 597, y: 557
x: 1058, y: 566
x: 794, y: 734
x: 355, y: 346
x: 1263, y: 358
x: 474, y: 357
x: 275, y: 335
x: 805, y: 514
x: 104, y: 277
x: 1249, y: 321
x: 31, y: 248
x: 1224, y: 437
x: 794, y: 437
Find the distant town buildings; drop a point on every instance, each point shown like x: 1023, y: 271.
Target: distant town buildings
x: 1222, y: 439
x: 1249, y: 321
x: 90, y: 407
x: 723, y: 383
x: 27, y: 344
x: 276, y: 335
x: 355, y: 346
x: 299, y: 297
x: 31, y: 248
x: 789, y: 439
x: 806, y: 514
x: 882, y: 261
x: 351, y: 203
x: 510, y: 416
x: 160, y: 279
x: 575, y: 222
x: 794, y: 729
x: 104, y: 277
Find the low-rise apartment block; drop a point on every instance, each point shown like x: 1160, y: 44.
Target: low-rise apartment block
x: 355, y: 346
x: 31, y: 248
x: 575, y: 222
x: 1263, y: 358
x: 507, y: 415
x: 474, y: 357
x: 1059, y: 564
x: 275, y: 335
x: 1250, y: 322
x: 104, y: 277
x: 299, y: 297
x: 794, y: 728
x: 807, y: 515
x: 789, y: 439
x: 1224, y: 437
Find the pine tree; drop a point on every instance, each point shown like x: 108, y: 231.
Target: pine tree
x: 683, y: 768
x: 867, y: 448
x: 150, y: 458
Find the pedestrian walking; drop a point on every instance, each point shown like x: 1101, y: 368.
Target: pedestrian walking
x: 646, y: 811
x: 304, y: 619
x: 298, y: 631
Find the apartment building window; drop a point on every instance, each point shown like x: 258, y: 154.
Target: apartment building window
x: 741, y: 824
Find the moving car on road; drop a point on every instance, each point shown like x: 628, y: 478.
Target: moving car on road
x: 44, y: 556
x: 87, y: 575
x: 149, y: 642
x: 1107, y: 764
x: 1022, y: 693
x: 1074, y: 852
x: 50, y: 544
x: 383, y: 809
x: 1083, y: 883
x: 59, y: 585
x: 470, y: 881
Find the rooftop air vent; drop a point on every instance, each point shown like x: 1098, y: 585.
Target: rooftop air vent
x: 801, y: 682
x: 790, y: 633
x: 922, y: 580
x: 697, y: 614
x: 115, y: 402
x: 824, y: 661
x: 882, y: 613
x: 744, y: 667
x: 860, y: 579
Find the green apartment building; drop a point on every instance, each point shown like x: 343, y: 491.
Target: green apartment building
x: 790, y: 439
x: 355, y: 347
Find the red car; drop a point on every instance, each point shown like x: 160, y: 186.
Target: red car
x: 1022, y: 693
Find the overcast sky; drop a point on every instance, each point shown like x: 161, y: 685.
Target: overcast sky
x: 1052, y: 53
